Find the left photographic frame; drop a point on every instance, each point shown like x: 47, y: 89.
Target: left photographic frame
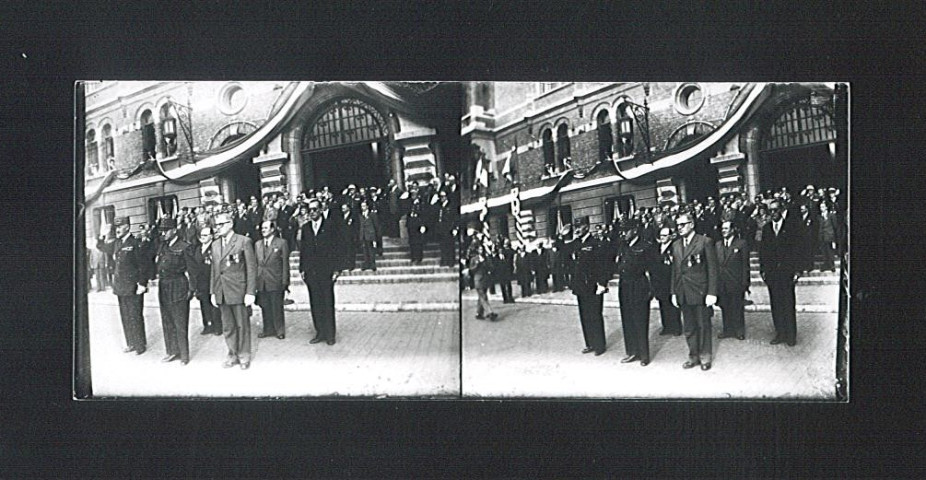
x: 256, y: 239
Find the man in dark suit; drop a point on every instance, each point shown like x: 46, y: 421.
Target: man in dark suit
x: 393, y: 210
x: 589, y: 283
x: 351, y: 233
x: 272, y: 279
x: 634, y: 291
x: 130, y: 281
x: 368, y: 233
x: 694, y: 289
x: 174, y: 261
x: 415, y: 223
x: 524, y: 272
x: 320, y: 262
x: 780, y: 266
x: 733, y: 280
x: 200, y: 277
x: 810, y: 234
x: 446, y: 223
x: 661, y: 280
x: 233, y: 286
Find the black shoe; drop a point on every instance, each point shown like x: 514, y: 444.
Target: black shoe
x: 184, y: 362
x: 723, y: 335
x: 206, y: 331
x: 316, y: 340
x: 775, y: 341
x: 644, y: 363
x: 741, y: 337
x: 331, y: 342
x: 281, y: 336
x: 690, y: 364
x: 169, y: 358
x: 139, y: 351
x: 588, y: 350
x: 216, y: 332
x: 600, y: 352
x: 665, y: 332
x: 493, y: 316
x: 629, y: 358
x: 706, y: 366
x: 263, y: 335
x: 480, y: 317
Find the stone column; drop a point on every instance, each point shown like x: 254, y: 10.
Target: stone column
x: 419, y: 161
x: 728, y: 162
x: 295, y: 181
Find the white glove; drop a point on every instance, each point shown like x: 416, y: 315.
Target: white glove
x: 422, y: 229
x: 675, y: 301
x: 214, y: 300
x: 334, y: 276
x: 710, y: 300
x: 600, y: 290
x: 248, y: 299
x: 140, y: 289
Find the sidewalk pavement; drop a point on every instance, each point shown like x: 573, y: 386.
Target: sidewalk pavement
x: 407, y: 297
x: 534, y: 351
x: 376, y: 354
x: 810, y: 298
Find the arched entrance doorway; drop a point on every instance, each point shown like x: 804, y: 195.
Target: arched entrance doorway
x: 243, y: 177
x: 347, y: 143
x: 797, y: 149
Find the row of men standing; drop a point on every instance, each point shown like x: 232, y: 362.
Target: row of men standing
x: 227, y: 276
x: 688, y: 275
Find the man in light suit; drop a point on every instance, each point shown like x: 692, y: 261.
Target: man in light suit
x: 233, y: 287
x: 733, y: 280
x: 320, y: 261
x: 272, y: 279
x: 694, y: 289
x: 780, y: 261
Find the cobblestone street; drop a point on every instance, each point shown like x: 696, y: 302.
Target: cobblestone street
x: 377, y: 354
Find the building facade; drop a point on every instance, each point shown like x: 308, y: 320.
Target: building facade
x: 152, y: 148
x: 543, y: 153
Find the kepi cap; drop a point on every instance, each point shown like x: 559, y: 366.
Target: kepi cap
x: 580, y: 221
x: 121, y: 221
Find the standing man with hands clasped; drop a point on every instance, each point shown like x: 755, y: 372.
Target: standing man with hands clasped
x: 694, y: 289
x: 233, y: 288
x: 589, y: 284
x: 272, y: 279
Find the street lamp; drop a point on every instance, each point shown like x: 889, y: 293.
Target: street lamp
x: 641, y: 117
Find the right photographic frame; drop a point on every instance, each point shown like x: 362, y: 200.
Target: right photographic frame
x: 655, y: 240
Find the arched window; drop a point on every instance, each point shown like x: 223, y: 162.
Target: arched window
x: 93, y: 160
x: 148, y: 137
x: 549, y: 160
x: 625, y: 124
x: 605, y: 137
x: 168, y: 131
x: 562, y: 146
x: 109, y: 150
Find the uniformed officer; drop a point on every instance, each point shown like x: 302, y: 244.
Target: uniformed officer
x: 634, y: 291
x: 589, y: 284
x: 174, y: 262
x: 130, y: 281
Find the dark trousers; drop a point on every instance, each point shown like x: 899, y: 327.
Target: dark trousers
x: 526, y: 290
x: 635, y: 323
x: 542, y: 285
x: 781, y: 296
x: 698, y: 332
x: 271, y: 307
x: 212, y: 319
x: 592, y: 321
x: 507, y: 295
x: 446, y: 250
x: 826, y: 249
x: 416, y: 244
x: 559, y: 282
x: 236, y: 326
x: 734, y: 322
x: 175, y: 320
x: 671, y: 317
x: 321, y: 301
x: 133, y: 322
x: 482, y: 306
x: 369, y: 255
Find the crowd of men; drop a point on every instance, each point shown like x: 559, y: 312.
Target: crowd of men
x: 233, y: 256
x: 690, y: 257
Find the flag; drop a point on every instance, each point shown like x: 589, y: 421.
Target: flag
x: 160, y: 210
x: 484, y: 218
x: 104, y: 227
x: 482, y: 173
x: 559, y: 220
x: 510, y: 170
